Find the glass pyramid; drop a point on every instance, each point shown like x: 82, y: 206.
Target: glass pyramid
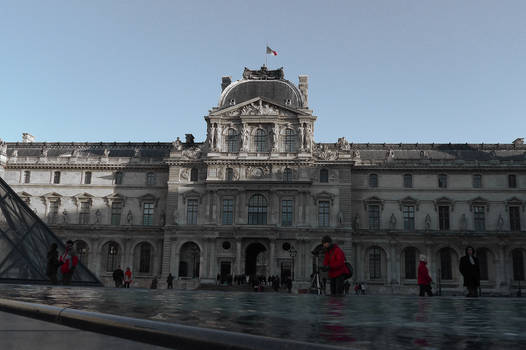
x: 24, y: 242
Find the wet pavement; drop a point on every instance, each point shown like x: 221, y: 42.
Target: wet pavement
x: 363, y: 322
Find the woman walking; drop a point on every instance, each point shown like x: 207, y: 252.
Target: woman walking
x: 424, y: 280
x: 469, y: 268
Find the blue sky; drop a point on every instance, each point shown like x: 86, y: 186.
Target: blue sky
x: 379, y: 71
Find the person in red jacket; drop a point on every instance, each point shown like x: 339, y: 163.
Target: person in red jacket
x: 335, y: 262
x: 424, y: 280
x: 69, y: 261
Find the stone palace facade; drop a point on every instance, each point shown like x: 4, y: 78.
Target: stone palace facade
x: 259, y: 193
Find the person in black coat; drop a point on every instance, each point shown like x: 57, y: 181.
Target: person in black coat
x: 469, y: 268
x: 52, y: 263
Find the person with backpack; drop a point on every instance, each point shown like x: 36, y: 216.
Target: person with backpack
x: 334, y: 262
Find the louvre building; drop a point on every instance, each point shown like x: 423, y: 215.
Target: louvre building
x: 258, y: 194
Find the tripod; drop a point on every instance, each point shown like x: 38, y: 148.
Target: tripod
x: 315, y: 284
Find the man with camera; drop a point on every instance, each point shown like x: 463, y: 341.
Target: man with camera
x: 334, y: 263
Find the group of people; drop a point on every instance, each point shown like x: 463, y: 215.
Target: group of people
x: 67, y: 262
x: 360, y: 288
x: 469, y: 267
x: 122, y: 279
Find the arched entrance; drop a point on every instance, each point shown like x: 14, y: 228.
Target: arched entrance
x: 256, y: 260
x: 189, y: 260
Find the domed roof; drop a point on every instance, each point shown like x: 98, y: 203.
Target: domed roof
x: 262, y: 83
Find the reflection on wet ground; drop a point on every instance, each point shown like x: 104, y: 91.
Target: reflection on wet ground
x: 363, y: 322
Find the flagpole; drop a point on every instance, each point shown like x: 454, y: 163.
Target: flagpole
x: 266, y: 54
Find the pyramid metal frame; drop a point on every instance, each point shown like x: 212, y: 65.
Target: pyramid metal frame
x: 24, y: 243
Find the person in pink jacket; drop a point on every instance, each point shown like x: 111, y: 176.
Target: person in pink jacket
x: 424, y: 280
x: 69, y: 261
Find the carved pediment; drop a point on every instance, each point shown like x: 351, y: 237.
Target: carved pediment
x: 409, y: 201
x: 479, y: 201
x: 514, y: 202
x: 373, y: 201
x: 443, y: 201
x: 148, y: 197
x: 324, y: 195
x: 82, y: 197
x: 191, y: 194
x: 258, y: 107
x: 115, y: 197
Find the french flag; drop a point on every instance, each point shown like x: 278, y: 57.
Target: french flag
x: 271, y: 52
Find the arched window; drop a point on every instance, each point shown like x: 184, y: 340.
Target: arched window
x: 257, y: 210
x: 232, y: 143
x: 287, y: 175
x: 410, y: 263
x: 375, y: 263
x: 112, y: 256
x: 289, y: 140
x: 229, y: 174
x: 261, y: 140
x: 373, y: 180
x: 446, y: 271
x: 82, y: 252
x: 189, y: 260
x: 194, y: 174
x: 518, y: 264
x: 324, y: 175
x: 145, y: 257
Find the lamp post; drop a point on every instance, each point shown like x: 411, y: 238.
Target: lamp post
x: 292, y: 252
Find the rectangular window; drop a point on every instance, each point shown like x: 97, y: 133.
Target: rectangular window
x: 228, y: 211
x: 87, y: 177
x: 373, y: 180
x: 191, y: 212
x: 150, y: 179
x: 408, y: 180
x: 443, y: 217
x: 56, y: 177
x: 27, y: 176
x: 53, y: 212
x: 323, y: 213
x: 442, y: 181
x: 374, y: 217
x: 515, y: 219
x: 375, y: 264
x: 512, y: 181
x: 477, y: 181
x: 116, y: 211
x: 84, y: 213
x: 147, y: 214
x: 410, y: 263
x: 287, y: 209
x: 409, y: 218
x: 479, y: 218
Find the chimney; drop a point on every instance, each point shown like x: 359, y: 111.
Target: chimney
x: 27, y: 138
x: 225, y: 82
x: 304, y: 89
x: 519, y: 141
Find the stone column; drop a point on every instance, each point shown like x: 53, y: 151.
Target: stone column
x: 238, y: 257
x: 213, y: 262
x: 272, y: 256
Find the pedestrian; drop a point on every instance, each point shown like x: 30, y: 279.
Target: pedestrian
x: 357, y: 288
x: 334, y: 261
x: 218, y: 279
x: 52, y: 263
x: 154, y: 283
x: 347, y: 287
x: 289, y: 284
x: 469, y: 268
x: 424, y: 280
x: 127, y: 278
x: 69, y: 261
x: 118, y: 277
x: 170, y: 281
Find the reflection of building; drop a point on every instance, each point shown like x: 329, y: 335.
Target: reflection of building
x: 259, y: 184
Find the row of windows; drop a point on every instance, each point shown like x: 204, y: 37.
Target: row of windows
x: 116, y: 213
x: 151, y: 178
x: 442, y: 180
x: 260, y: 141
x: 257, y: 211
x: 410, y: 254
x: 479, y: 217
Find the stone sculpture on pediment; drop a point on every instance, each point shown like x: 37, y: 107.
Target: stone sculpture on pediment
x: 212, y: 138
x: 356, y: 154
x: 392, y: 222
x: 246, y: 138
x: 184, y: 174
x: 106, y: 153
x: 343, y: 144
x: 98, y: 215
x: 340, y: 219
x: 463, y: 223
x: 301, y: 138
x: 44, y: 151
x: 75, y: 153
x: 324, y: 153
x: 15, y: 153
x: 356, y: 223
x: 175, y: 216
x: 192, y: 153
x: 428, y: 222
x: 3, y: 147
x: 137, y: 152
x: 162, y: 218
x: 177, y: 144
x: 308, y: 138
x: 275, y: 138
x: 500, y: 223
x: 65, y: 216
x: 129, y: 218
